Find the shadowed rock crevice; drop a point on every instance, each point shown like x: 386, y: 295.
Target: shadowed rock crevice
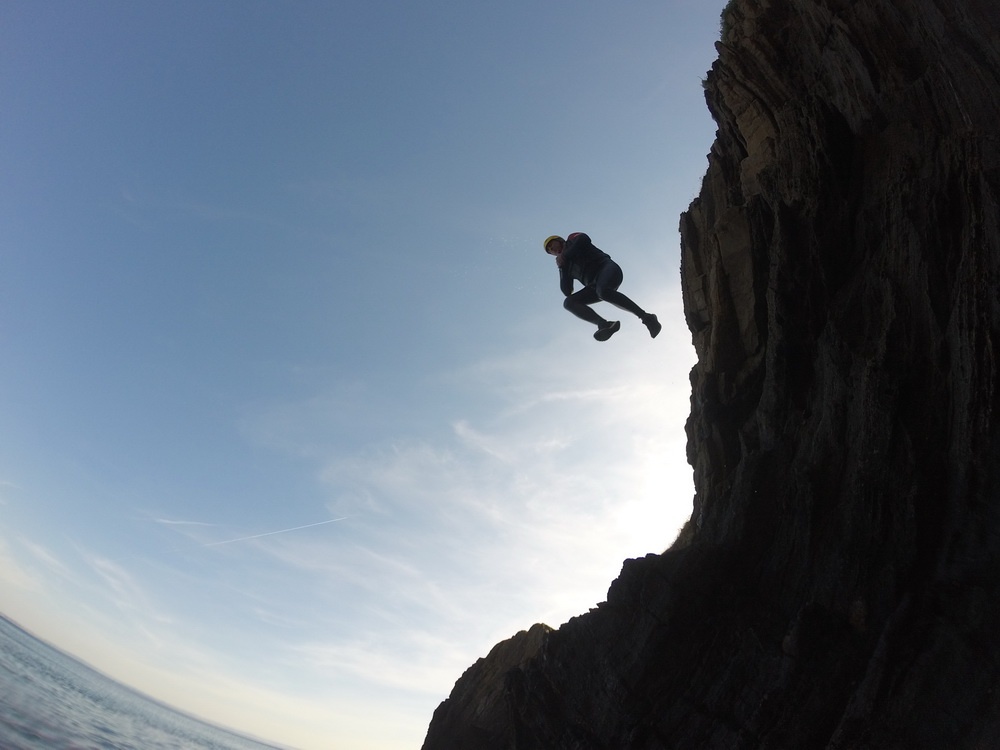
x: 838, y: 585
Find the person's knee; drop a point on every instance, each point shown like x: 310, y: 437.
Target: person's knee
x: 569, y: 304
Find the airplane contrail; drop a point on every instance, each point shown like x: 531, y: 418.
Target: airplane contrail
x: 272, y: 533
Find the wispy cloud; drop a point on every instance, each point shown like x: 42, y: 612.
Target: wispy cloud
x: 128, y: 595
x: 513, y: 514
x: 51, y: 564
x: 414, y: 661
x: 14, y: 574
x: 274, y: 533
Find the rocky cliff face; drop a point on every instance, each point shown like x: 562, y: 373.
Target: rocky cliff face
x: 838, y: 585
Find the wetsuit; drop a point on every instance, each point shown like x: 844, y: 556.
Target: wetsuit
x: 582, y: 261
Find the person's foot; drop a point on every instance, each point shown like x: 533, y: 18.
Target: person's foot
x: 607, y: 329
x: 652, y: 324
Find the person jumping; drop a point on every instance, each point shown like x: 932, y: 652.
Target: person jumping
x: 578, y: 259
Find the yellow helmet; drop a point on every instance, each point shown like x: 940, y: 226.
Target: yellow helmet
x: 549, y: 239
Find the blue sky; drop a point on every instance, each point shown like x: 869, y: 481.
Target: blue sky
x: 294, y: 426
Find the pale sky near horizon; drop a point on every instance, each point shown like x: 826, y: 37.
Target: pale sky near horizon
x: 293, y: 426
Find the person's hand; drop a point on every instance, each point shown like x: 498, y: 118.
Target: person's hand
x: 559, y: 260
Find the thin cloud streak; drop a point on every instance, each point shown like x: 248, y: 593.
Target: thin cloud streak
x: 272, y: 533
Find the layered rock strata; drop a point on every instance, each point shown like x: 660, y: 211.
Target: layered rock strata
x: 838, y: 585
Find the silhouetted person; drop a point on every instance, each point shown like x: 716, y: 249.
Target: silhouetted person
x: 579, y: 260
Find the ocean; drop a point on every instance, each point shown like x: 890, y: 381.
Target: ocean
x: 51, y: 701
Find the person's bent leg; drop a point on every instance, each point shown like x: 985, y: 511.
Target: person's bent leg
x: 618, y: 299
x: 608, y: 281
x: 579, y: 303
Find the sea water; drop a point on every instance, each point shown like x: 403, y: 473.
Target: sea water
x: 50, y: 701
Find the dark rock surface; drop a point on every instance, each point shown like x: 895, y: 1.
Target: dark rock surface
x: 475, y: 716
x: 838, y: 585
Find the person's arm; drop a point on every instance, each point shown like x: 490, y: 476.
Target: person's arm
x: 565, y: 279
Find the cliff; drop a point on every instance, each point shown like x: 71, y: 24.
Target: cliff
x: 838, y: 585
